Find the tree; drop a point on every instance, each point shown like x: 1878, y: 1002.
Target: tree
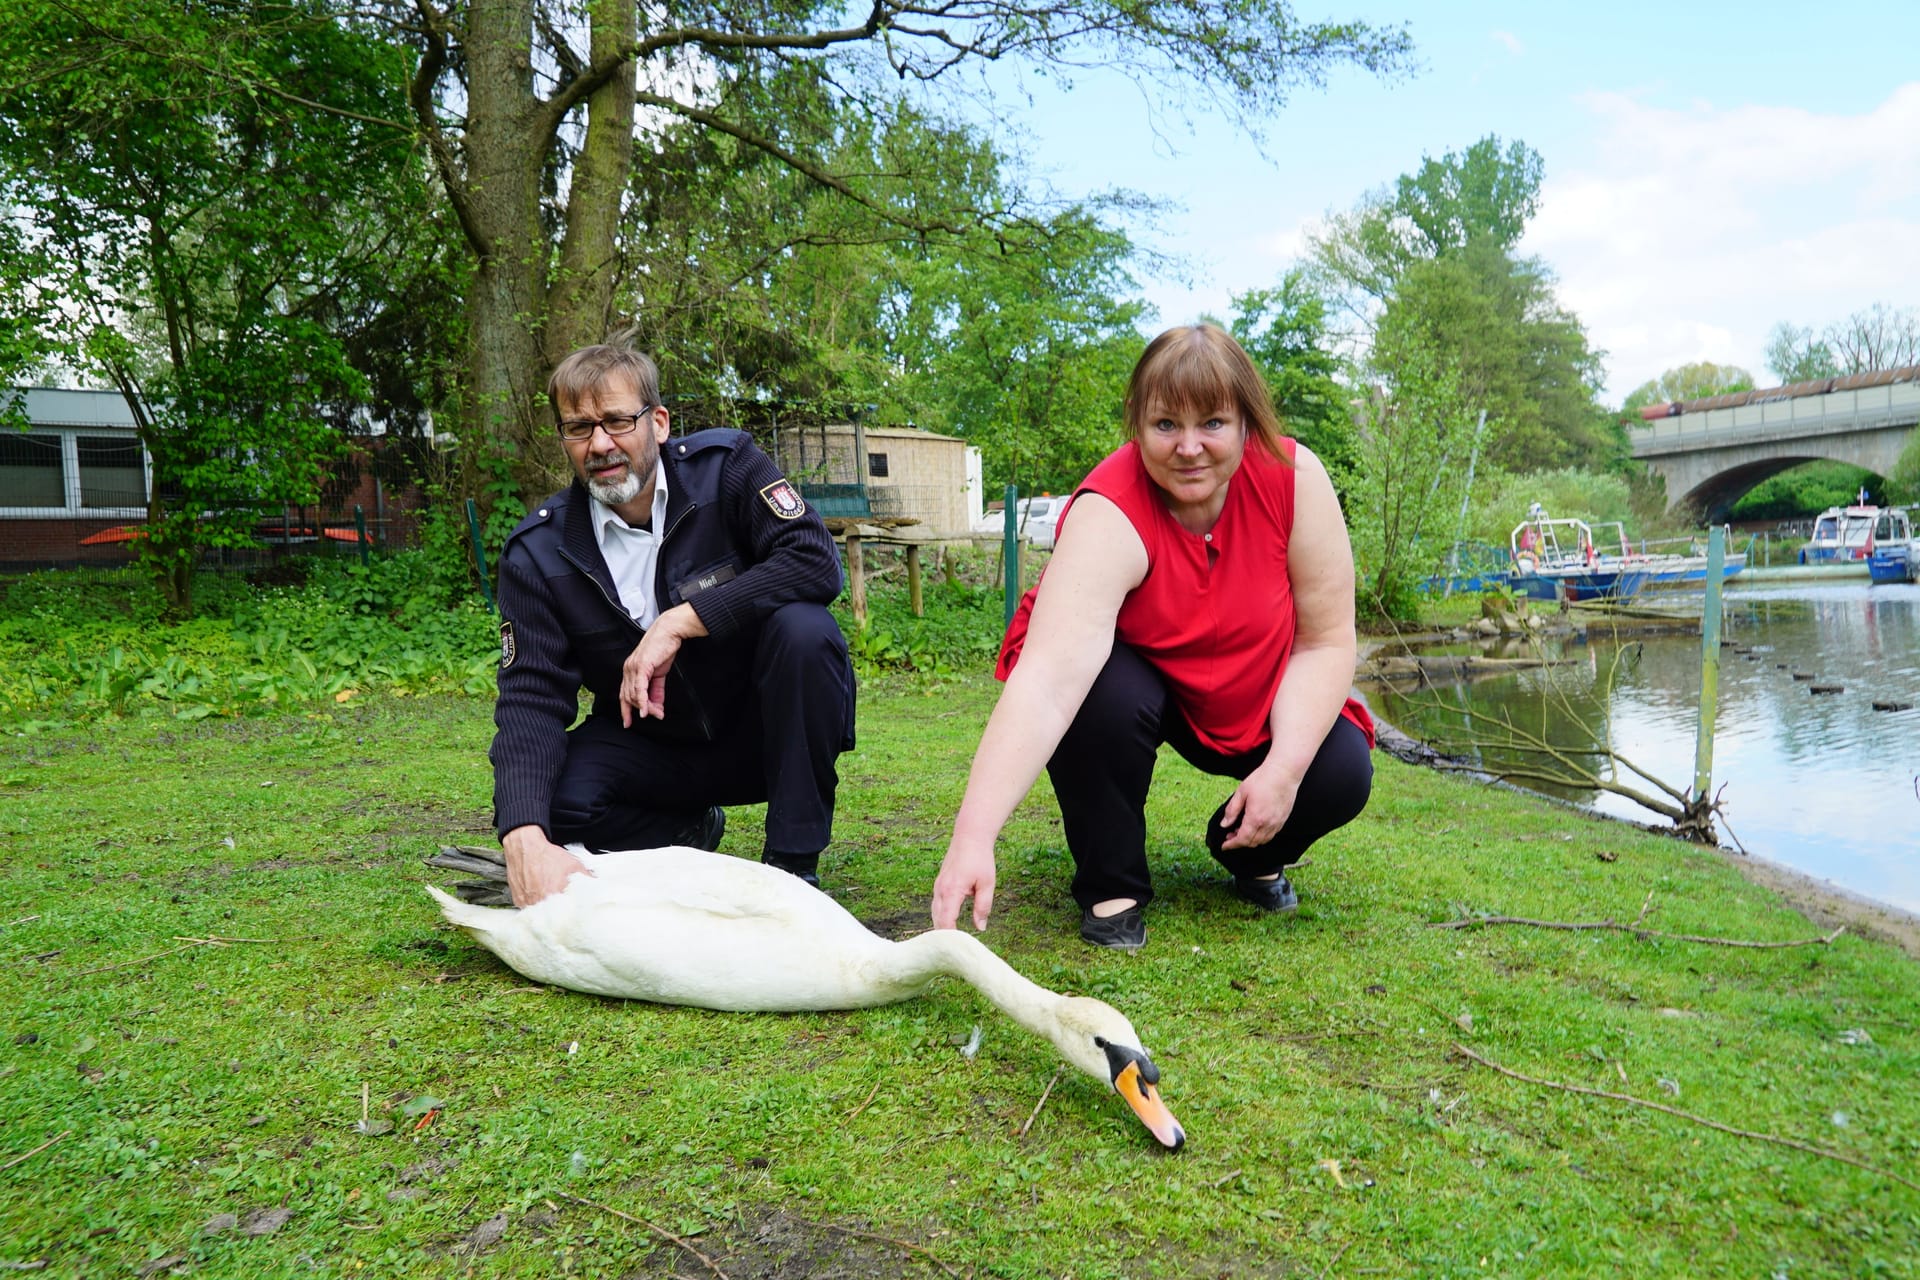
x: 1515, y: 352
x: 775, y: 302
x: 1688, y: 382
x: 1903, y: 482
x: 206, y: 249
x: 1797, y: 355
x: 1461, y: 201
x: 1284, y: 330
x: 1880, y: 337
x: 527, y: 108
x: 1414, y: 432
x: 1482, y: 195
x: 1429, y: 266
x: 1025, y: 350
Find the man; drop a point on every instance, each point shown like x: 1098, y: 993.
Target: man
x: 685, y: 584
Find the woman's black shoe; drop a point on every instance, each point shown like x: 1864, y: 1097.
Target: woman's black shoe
x: 1125, y: 931
x: 1269, y: 895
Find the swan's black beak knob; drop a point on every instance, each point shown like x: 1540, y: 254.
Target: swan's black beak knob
x: 1134, y: 1079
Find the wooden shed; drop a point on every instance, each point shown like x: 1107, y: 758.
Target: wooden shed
x: 845, y: 469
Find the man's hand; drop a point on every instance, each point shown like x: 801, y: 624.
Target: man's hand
x: 1260, y: 805
x: 643, y: 679
x: 963, y: 874
x: 536, y: 866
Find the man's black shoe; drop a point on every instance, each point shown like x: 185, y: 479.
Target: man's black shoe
x: 1124, y: 931
x: 1269, y: 895
x: 804, y: 865
x: 706, y: 830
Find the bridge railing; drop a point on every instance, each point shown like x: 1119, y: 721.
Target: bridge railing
x: 1864, y: 408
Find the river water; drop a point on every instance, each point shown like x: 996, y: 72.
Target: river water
x: 1821, y: 782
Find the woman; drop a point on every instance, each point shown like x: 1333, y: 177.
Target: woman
x: 1200, y: 594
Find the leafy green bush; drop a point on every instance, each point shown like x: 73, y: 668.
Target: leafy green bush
x: 81, y: 645
x: 1806, y: 490
x: 960, y: 632
x: 1500, y: 501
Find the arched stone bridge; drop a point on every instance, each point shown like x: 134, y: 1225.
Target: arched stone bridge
x: 1710, y: 452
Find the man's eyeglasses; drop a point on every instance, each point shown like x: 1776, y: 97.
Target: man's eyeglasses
x: 614, y: 424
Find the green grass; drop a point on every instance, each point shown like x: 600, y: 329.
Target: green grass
x: 179, y: 1082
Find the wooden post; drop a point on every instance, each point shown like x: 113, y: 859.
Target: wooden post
x: 913, y: 581
x: 1010, y: 560
x: 857, y: 579
x: 1709, y: 666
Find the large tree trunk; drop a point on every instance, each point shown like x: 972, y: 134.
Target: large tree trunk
x: 520, y: 321
x: 580, y: 300
x: 506, y: 144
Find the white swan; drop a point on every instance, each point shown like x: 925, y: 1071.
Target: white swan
x: 684, y: 926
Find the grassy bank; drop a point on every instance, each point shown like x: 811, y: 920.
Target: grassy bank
x: 213, y: 947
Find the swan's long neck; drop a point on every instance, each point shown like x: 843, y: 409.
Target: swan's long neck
x: 951, y: 953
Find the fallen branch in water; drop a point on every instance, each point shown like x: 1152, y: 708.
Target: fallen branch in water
x: 1794, y: 1143
x: 662, y: 1232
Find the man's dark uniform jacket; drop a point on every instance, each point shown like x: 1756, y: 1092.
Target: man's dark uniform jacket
x: 739, y: 543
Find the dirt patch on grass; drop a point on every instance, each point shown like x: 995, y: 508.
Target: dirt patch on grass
x: 1829, y: 906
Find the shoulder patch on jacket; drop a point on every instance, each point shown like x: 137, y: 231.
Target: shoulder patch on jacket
x: 507, y: 649
x: 784, y: 500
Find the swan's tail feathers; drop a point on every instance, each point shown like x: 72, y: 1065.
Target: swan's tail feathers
x: 489, y: 864
x: 467, y: 915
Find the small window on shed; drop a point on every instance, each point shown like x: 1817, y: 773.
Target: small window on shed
x: 30, y: 471
x: 110, y: 472
x: 876, y: 464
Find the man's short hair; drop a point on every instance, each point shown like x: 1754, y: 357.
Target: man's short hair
x: 582, y: 373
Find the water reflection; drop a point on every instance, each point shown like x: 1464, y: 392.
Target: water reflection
x: 1820, y: 781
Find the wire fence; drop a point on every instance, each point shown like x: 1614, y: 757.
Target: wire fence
x: 30, y: 542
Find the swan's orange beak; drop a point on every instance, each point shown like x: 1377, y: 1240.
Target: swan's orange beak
x: 1134, y: 1078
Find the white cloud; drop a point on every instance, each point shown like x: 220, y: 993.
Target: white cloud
x: 1510, y: 42
x: 1693, y: 231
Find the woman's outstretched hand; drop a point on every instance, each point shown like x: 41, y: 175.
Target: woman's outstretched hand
x: 963, y: 875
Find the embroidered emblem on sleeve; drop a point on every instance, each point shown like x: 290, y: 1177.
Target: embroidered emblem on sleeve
x: 507, y: 650
x: 784, y: 500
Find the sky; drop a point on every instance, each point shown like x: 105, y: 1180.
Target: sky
x: 1711, y: 169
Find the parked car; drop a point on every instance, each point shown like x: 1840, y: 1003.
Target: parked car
x: 1037, y: 518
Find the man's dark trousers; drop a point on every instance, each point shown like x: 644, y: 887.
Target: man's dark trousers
x: 626, y: 788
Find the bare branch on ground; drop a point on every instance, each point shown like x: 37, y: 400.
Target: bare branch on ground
x: 1021, y: 1132
x: 1796, y: 1144
x: 662, y: 1232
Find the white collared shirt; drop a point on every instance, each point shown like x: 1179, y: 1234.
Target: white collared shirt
x: 633, y: 555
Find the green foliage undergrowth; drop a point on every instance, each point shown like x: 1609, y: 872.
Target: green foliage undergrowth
x: 76, y: 646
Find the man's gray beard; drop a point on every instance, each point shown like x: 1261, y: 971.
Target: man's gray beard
x: 614, y: 495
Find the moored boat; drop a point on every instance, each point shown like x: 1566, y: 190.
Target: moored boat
x: 1669, y: 570
x: 1841, y: 534
x: 1890, y: 555
x: 1557, y: 559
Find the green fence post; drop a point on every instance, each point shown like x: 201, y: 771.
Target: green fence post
x: 480, y: 554
x: 360, y: 529
x: 1011, y: 546
x: 1709, y: 665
